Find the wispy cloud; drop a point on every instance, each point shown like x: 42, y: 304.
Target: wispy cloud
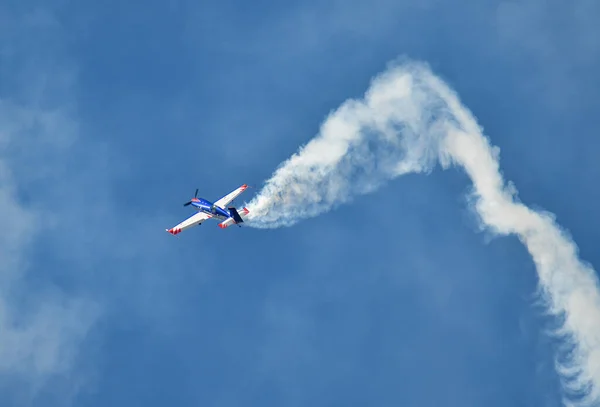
x: 409, y: 121
x: 42, y: 325
x: 558, y: 41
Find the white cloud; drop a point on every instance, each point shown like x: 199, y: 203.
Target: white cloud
x: 42, y: 325
x: 41, y: 328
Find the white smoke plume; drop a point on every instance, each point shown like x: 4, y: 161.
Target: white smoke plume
x: 408, y: 121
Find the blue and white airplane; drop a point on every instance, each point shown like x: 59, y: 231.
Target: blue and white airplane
x: 217, y: 210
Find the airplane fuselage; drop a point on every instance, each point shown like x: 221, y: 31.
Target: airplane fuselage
x: 221, y: 209
x: 210, y: 208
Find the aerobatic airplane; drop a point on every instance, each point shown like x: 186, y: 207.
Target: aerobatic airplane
x: 216, y: 210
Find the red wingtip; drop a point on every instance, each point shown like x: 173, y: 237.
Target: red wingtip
x: 244, y: 186
x: 222, y: 226
x: 246, y: 211
x: 173, y: 231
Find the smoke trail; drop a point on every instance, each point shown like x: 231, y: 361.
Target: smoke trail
x: 408, y: 121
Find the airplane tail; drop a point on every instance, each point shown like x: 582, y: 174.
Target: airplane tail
x: 235, y: 219
x: 235, y: 215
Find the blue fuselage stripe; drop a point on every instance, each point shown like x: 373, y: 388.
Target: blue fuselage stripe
x: 210, y: 208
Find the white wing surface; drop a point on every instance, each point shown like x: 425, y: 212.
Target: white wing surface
x: 195, y: 219
x: 226, y: 200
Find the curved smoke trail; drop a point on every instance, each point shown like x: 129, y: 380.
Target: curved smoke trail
x: 408, y: 121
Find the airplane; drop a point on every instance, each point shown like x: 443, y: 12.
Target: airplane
x: 217, y: 210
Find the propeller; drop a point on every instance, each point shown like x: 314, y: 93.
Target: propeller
x: 190, y: 202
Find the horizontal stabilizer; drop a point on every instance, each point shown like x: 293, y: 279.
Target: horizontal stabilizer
x: 235, y: 215
x: 232, y: 221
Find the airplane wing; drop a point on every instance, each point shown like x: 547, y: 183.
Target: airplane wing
x: 226, y: 200
x: 195, y: 219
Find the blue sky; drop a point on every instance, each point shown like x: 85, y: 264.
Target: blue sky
x: 112, y: 114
